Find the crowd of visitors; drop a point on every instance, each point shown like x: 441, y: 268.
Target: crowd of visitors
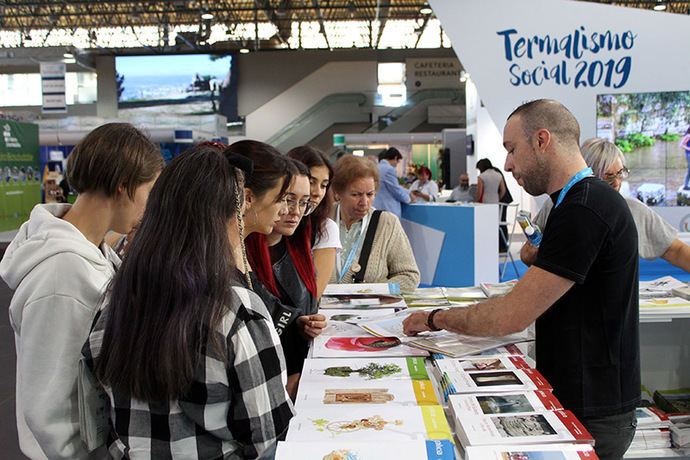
x: 196, y: 322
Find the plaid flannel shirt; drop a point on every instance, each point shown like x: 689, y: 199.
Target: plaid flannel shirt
x: 235, y: 412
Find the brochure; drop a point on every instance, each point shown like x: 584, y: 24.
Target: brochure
x: 498, y: 289
x: 343, y: 323
x: 369, y: 423
x: 358, y: 347
x: 353, y: 372
x: 650, y: 418
x: 660, y: 287
x: 531, y: 452
x: 503, y: 403
x: 357, y: 289
x: 463, y: 382
x: 479, y: 363
x: 373, y: 393
x: 444, y: 342
x: 440, y: 449
x: 532, y: 428
x: 650, y: 439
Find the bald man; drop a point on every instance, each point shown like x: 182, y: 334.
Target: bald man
x: 582, y: 288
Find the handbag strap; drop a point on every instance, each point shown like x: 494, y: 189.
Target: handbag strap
x: 366, y: 247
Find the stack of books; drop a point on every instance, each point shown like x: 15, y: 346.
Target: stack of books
x: 652, y: 431
x: 664, y: 297
x: 680, y: 430
x: 499, y: 400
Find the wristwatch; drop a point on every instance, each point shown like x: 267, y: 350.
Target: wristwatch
x: 430, y: 320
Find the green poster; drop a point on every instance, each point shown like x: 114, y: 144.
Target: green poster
x: 20, y: 178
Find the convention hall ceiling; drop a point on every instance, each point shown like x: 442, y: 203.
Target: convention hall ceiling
x: 195, y: 25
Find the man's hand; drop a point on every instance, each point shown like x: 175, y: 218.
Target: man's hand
x: 413, y: 197
x: 311, y: 326
x: 528, y: 253
x: 416, y: 323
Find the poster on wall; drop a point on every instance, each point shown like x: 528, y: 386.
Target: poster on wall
x: 652, y: 129
x: 20, y: 187
x: 175, y: 86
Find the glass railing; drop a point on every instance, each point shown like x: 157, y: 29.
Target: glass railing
x: 314, y: 113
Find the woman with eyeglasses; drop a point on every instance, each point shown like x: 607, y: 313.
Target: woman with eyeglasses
x: 325, y: 238
x: 656, y: 237
x: 282, y: 261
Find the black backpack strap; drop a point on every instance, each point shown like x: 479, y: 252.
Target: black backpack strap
x: 366, y: 247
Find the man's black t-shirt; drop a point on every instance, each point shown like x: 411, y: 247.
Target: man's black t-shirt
x: 588, y: 341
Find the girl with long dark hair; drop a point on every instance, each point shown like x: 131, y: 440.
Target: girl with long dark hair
x: 190, y: 359
x: 325, y: 236
x: 282, y: 261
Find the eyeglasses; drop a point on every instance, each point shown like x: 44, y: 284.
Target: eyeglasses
x: 621, y: 174
x: 305, y: 207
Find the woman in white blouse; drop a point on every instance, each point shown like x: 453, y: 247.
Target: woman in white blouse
x: 325, y: 234
x: 424, y: 188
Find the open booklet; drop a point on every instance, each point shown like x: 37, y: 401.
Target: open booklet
x: 531, y: 452
x: 369, y: 423
x: 344, y: 323
x: 444, y: 342
x: 440, y: 449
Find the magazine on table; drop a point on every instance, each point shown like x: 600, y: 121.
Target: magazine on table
x: 660, y: 287
x: 503, y: 403
x: 344, y: 323
x: 362, y: 347
x: 370, y: 393
x: 362, y: 296
x: 355, y: 371
x: 651, y: 418
x: 439, y: 449
x: 504, y: 381
x: 368, y: 423
x: 498, y: 289
x: 526, y: 428
x: 557, y: 451
x: 444, y: 342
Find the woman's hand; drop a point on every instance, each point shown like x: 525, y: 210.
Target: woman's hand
x: 311, y: 326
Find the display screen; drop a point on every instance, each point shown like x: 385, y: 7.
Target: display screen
x: 650, y: 129
x: 189, y: 84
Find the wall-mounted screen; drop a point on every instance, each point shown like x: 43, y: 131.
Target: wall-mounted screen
x: 189, y: 84
x: 651, y: 129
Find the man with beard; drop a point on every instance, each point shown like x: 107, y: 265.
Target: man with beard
x: 582, y: 289
x: 463, y: 192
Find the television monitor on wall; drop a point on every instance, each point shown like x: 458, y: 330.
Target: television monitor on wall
x: 649, y: 129
x: 185, y: 83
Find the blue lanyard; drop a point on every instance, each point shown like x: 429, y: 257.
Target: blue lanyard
x: 353, y: 251
x: 573, y: 180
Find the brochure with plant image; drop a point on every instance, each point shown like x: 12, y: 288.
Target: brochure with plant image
x: 344, y: 323
x: 355, y: 371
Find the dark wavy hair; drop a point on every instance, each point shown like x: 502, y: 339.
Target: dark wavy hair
x: 312, y: 157
x: 270, y: 166
x: 174, y: 286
